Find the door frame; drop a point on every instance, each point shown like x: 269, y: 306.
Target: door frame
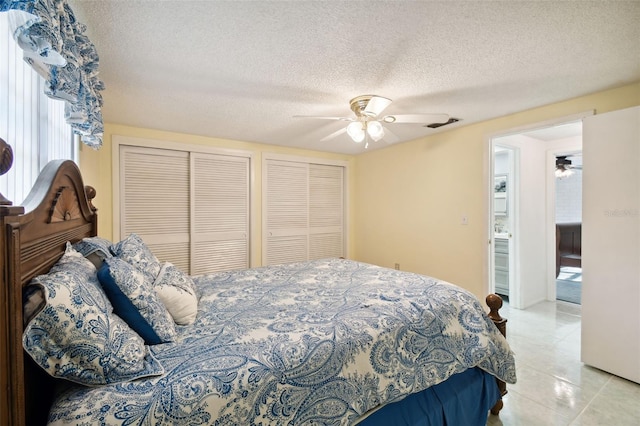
x: 512, y: 217
x: 516, y: 299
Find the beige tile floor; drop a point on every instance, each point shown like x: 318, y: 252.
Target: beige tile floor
x: 554, y: 387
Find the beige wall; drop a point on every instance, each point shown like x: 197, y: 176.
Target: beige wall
x: 406, y: 201
x: 96, y: 167
x: 411, y: 197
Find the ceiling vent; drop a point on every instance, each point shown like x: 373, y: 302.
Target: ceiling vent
x: 436, y: 125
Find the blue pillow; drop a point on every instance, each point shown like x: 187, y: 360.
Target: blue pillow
x: 125, y: 309
x: 76, y: 336
x: 131, y: 293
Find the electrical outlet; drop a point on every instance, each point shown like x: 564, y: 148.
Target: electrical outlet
x: 464, y: 220
x: 397, y: 266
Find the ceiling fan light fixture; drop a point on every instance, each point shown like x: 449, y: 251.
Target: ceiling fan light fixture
x: 375, y: 130
x: 355, y: 130
x: 563, y: 171
x: 370, y: 125
x: 563, y: 167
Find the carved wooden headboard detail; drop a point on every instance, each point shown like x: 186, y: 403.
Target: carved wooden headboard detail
x: 58, y: 209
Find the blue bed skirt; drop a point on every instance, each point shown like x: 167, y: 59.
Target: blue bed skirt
x: 464, y: 399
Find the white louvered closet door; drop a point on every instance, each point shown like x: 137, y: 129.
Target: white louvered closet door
x: 220, y: 214
x: 190, y: 208
x: 286, y: 212
x: 303, y: 212
x: 326, y: 211
x: 155, y: 201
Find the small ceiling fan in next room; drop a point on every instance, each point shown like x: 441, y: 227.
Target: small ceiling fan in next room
x: 369, y: 123
x: 565, y: 167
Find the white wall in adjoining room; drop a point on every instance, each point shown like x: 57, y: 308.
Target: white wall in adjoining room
x: 501, y: 162
x: 568, y: 191
x: 569, y: 198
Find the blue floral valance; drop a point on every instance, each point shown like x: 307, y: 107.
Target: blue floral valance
x: 55, y: 45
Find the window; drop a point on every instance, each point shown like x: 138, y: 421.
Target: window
x: 31, y: 122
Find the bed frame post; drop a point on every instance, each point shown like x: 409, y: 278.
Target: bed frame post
x: 11, y: 406
x: 9, y: 412
x: 495, y: 303
x: 6, y: 160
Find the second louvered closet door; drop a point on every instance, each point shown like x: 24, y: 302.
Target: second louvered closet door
x: 303, y: 211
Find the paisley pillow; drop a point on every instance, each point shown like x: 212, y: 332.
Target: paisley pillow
x: 96, y: 249
x: 131, y: 292
x: 33, y: 296
x: 135, y: 252
x: 76, y: 336
x: 177, y: 292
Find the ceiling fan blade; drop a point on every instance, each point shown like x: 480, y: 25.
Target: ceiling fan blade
x: 376, y: 105
x: 416, y: 118
x: 323, y: 118
x: 334, y: 134
x: 389, y: 136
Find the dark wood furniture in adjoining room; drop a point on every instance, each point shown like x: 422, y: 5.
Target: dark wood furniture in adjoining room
x: 568, y: 245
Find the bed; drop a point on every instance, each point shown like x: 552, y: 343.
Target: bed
x: 330, y: 341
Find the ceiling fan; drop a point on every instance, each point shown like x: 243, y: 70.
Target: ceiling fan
x: 368, y: 120
x: 565, y: 167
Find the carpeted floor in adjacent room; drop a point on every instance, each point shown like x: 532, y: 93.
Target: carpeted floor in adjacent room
x: 569, y: 285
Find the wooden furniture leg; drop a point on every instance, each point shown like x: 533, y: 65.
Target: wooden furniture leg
x: 495, y: 303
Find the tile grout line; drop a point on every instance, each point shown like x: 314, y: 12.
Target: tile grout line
x: 591, y: 400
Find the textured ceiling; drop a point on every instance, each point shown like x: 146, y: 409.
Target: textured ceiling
x: 242, y: 69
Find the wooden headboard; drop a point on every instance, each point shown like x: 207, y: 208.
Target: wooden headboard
x: 58, y: 209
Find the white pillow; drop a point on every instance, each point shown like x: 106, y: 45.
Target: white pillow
x: 177, y: 292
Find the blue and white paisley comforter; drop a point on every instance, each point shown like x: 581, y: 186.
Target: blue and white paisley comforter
x: 319, y: 342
